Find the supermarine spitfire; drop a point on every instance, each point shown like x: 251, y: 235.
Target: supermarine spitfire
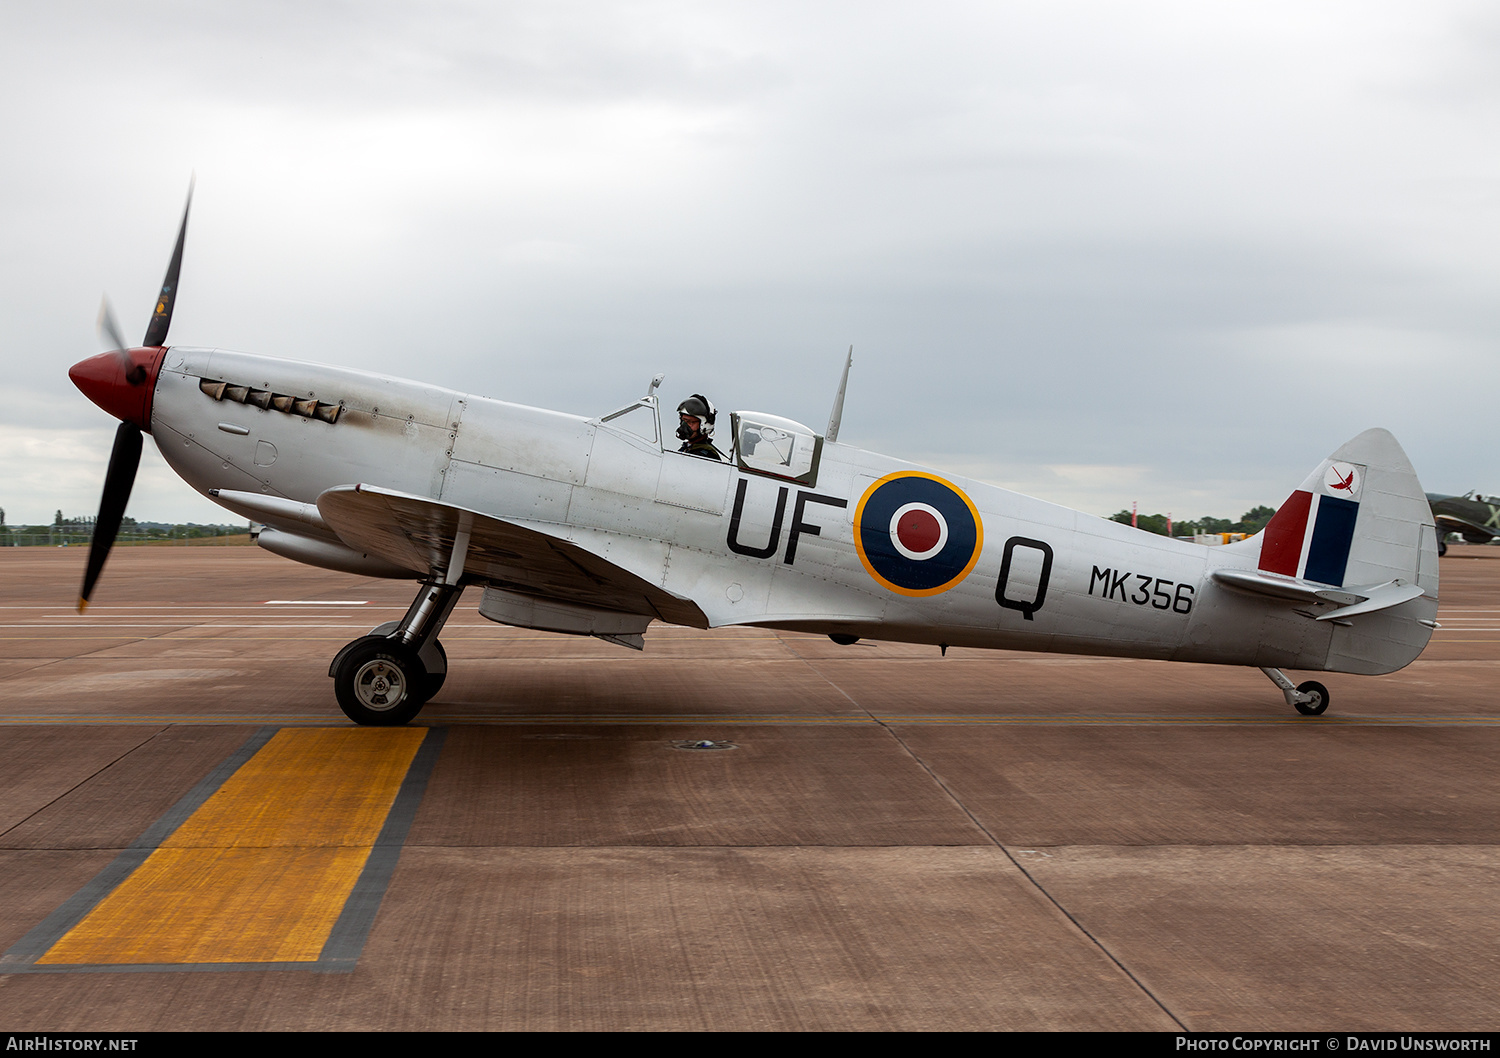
x: 595, y: 526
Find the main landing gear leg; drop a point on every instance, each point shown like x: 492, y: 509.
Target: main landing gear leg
x: 1309, y: 699
x: 384, y: 678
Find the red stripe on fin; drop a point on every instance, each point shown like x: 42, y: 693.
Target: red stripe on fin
x: 1281, y: 548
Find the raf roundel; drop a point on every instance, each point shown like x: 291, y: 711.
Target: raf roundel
x: 917, y: 534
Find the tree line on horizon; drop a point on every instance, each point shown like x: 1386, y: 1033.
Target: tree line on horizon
x: 1250, y: 523
x: 79, y: 530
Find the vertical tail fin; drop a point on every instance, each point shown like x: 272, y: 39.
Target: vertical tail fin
x: 1358, y: 534
x: 1359, y: 519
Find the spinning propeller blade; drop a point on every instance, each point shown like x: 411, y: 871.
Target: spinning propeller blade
x: 122, y: 382
x: 109, y: 330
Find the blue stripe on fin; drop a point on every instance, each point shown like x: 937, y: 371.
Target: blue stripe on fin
x: 1332, y: 536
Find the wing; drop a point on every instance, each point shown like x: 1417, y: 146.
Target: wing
x: 1452, y: 523
x: 420, y: 534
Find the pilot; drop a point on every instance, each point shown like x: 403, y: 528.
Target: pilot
x: 695, y: 418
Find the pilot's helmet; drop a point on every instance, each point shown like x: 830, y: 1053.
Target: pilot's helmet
x: 700, y: 408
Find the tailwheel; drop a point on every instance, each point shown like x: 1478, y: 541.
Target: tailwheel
x: 1309, y: 699
x: 1312, y: 698
x: 380, y: 682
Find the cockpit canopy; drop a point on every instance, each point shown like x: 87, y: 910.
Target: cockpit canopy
x: 762, y: 444
x: 776, y: 447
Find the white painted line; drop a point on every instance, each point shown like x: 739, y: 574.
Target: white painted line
x: 316, y: 602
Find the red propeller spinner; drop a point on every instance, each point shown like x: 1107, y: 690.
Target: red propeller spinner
x: 121, y: 382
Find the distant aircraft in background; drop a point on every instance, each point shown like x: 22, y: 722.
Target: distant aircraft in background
x: 1476, y: 517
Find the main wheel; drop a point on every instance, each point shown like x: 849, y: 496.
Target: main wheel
x: 1442, y: 548
x: 380, y: 683
x: 1319, y: 701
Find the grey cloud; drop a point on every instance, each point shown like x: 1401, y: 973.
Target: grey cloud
x: 1169, y: 236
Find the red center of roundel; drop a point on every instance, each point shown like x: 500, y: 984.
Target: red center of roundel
x: 918, y: 531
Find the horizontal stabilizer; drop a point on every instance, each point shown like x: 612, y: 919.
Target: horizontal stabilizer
x: 1349, y: 601
x: 1289, y: 588
x: 1381, y: 597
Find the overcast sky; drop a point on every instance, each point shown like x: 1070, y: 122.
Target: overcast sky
x: 1097, y: 252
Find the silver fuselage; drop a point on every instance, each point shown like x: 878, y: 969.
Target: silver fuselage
x: 1072, y: 582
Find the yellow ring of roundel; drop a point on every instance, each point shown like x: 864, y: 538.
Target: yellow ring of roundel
x: 859, y: 513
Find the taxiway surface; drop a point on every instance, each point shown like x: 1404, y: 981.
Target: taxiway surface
x: 193, y: 837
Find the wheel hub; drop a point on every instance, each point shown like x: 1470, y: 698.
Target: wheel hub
x: 380, y: 685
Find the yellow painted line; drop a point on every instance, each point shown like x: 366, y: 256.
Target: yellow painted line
x: 261, y: 871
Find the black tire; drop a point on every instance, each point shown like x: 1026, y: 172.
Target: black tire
x: 1318, y: 704
x: 433, y: 681
x: 1442, y: 548
x: 375, y: 681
